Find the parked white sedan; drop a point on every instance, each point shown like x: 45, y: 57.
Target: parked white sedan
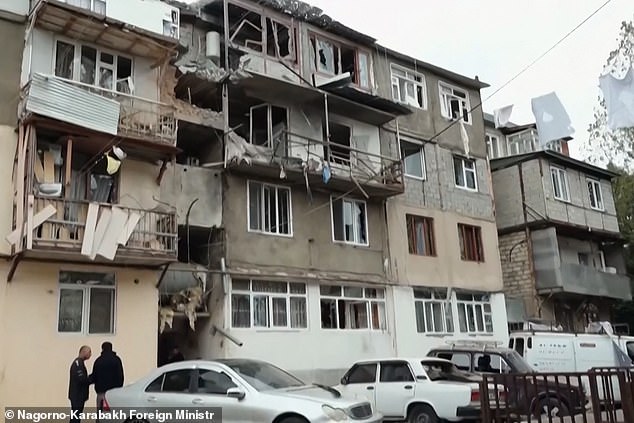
x: 420, y: 390
x: 246, y: 390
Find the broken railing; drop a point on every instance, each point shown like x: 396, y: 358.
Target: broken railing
x: 599, y: 395
x: 154, y: 233
x: 138, y: 117
x: 365, y: 166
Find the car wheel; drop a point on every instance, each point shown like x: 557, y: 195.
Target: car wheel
x: 553, y: 407
x: 293, y: 420
x: 422, y: 414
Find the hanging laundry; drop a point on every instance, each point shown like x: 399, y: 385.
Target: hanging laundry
x: 553, y: 122
x: 465, y: 137
x: 502, y: 116
x: 326, y: 173
x: 619, y: 99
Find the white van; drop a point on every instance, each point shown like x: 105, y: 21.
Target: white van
x: 557, y: 352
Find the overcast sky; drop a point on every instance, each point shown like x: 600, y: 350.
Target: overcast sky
x: 495, y: 39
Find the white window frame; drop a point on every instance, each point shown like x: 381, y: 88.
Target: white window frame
x: 594, y: 190
x: 379, y: 301
x: 465, y: 170
x: 559, y: 176
x: 416, y: 79
x: 491, y: 141
x: 76, y: 78
x: 474, y: 307
x: 434, y: 300
x: 447, y: 92
x: 78, y: 3
x: 288, y: 295
x: 332, y: 222
x: 421, y: 147
x: 85, y: 311
x: 276, y: 189
x: 522, y: 142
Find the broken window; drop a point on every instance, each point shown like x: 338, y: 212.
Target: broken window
x: 262, y: 304
x: 595, y: 193
x: 246, y: 28
x: 465, y: 175
x: 269, y: 209
x: 280, y: 40
x: 474, y: 313
x: 408, y: 87
x: 340, y: 141
x: 454, y: 103
x: 348, y: 307
x: 413, y: 159
x: 349, y: 221
x: 332, y: 58
x: 269, y: 126
x: 96, y: 67
x: 86, y: 303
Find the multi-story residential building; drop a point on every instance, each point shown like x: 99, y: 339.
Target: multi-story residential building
x: 85, y: 233
x: 319, y: 190
x: 560, y: 245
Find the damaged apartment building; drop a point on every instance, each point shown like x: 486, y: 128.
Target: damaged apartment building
x: 326, y: 194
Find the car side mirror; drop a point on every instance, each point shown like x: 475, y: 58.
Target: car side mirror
x: 343, y: 380
x: 235, y: 393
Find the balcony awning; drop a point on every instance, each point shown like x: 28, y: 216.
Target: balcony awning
x: 84, y: 25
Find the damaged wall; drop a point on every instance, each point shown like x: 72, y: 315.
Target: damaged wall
x: 311, y: 247
x: 137, y: 186
x: 426, y: 123
x: 183, y: 184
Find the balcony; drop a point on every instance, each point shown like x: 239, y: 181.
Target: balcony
x: 318, y: 164
x: 143, y: 124
x: 102, y: 233
x: 151, y: 31
x: 583, y: 280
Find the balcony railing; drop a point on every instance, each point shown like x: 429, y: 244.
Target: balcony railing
x: 137, y: 117
x: 155, y: 234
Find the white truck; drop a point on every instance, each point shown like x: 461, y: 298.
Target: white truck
x: 415, y: 389
x: 558, y: 351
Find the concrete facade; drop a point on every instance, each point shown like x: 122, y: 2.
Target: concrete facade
x: 566, y: 264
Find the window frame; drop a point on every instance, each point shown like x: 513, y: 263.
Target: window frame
x: 445, y: 101
x: 446, y: 309
x: 481, y: 303
x: 594, y: 188
x: 380, y: 301
x: 409, y: 72
x: 86, y: 306
x: 421, y: 149
x: 332, y: 222
x: 410, y: 226
x: 491, y: 140
x: 465, y: 170
x: 339, y: 43
x: 288, y: 295
x: 560, y: 174
x: 277, y: 188
x: 479, y: 243
x: 76, y: 72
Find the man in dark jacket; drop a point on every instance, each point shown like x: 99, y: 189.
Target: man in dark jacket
x: 107, y: 372
x: 78, y: 383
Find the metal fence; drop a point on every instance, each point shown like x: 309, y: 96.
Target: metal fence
x: 602, y: 395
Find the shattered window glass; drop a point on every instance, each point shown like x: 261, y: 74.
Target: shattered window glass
x: 352, y: 310
x: 269, y: 305
x: 349, y: 221
x: 325, y: 56
x: 64, y: 60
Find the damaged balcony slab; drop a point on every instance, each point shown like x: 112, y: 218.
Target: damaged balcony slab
x: 82, y: 24
x: 284, y: 274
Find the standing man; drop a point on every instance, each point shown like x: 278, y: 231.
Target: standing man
x: 78, y: 383
x: 107, y: 372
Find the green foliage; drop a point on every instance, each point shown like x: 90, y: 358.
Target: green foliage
x: 605, y: 145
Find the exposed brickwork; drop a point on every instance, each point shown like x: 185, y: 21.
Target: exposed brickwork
x: 516, y: 270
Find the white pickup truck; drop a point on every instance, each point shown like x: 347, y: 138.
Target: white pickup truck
x: 419, y: 390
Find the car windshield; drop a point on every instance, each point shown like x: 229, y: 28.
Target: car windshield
x: 263, y: 376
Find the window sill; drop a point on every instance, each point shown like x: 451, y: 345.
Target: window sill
x: 436, y: 335
x: 563, y: 200
x: 431, y: 256
x: 473, y: 261
x: 598, y: 210
x: 365, y: 330
x: 271, y: 330
x: 450, y: 119
x: 416, y: 178
x: 351, y: 244
x: 467, y: 188
x: 288, y: 236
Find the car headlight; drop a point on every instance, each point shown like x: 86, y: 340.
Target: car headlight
x: 336, y: 414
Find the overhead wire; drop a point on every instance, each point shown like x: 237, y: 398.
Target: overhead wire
x: 527, y: 67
